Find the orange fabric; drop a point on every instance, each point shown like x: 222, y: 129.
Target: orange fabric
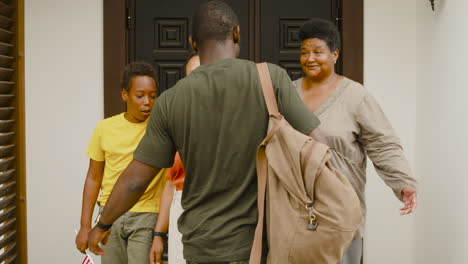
x: 176, y: 174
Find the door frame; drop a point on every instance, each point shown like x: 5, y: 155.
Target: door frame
x: 117, y: 20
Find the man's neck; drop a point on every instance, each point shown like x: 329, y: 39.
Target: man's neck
x: 212, y: 51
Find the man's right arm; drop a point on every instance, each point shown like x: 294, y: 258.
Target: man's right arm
x: 127, y: 191
x: 130, y: 186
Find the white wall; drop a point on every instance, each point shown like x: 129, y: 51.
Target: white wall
x: 442, y: 129
x: 389, y: 73
x: 64, y: 101
x: 414, y: 64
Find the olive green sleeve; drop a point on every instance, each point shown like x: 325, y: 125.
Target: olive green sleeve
x: 290, y: 104
x: 156, y: 148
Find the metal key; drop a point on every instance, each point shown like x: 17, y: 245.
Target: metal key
x: 313, y: 223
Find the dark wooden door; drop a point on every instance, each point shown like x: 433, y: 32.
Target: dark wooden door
x: 269, y: 32
x: 157, y: 31
x: 280, y: 22
x: 160, y: 30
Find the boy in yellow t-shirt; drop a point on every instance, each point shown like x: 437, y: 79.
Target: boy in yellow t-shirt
x: 110, y: 151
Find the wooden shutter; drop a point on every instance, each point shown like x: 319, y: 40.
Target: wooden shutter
x: 12, y: 199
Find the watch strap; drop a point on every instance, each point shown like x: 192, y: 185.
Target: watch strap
x: 160, y: 234
x: 103, y: 226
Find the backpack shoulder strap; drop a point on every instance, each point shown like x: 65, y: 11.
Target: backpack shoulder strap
x: 267, y: 88
x: 262, y: 164
x: 262, y: 171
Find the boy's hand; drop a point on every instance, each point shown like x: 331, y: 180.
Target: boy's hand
x: 81, y: 240
x: 96, y: 236
x: 156, y: 251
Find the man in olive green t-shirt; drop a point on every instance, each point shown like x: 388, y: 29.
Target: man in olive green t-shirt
x: 215, y: 117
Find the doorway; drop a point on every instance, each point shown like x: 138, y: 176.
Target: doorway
x: 157, y: 32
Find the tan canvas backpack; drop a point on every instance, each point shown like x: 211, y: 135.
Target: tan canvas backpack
x: 312, y: 212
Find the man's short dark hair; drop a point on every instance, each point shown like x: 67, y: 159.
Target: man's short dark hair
x: 137, y: 69
x: 213, y: 20
x: 321, y: 29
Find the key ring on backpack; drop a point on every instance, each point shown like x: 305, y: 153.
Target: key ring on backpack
x: 313, y: 222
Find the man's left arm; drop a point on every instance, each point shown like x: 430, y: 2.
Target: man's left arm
x: 290, y: 104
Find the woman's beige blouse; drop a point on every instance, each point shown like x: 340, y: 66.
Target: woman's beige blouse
x: 354, y: 126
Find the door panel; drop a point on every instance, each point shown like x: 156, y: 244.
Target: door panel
x: 280, y: 23
x: 161, y: 32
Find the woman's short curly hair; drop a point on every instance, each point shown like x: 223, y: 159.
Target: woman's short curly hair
x: 137, y: 69
x: 321, y: 29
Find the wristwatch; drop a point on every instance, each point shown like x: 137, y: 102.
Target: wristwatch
x: 160, y: 234
x: 101, y: 225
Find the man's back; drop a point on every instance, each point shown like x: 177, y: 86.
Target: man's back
x: 216, y: 118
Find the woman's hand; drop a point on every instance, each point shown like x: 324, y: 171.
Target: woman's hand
x: 409, y: 198
x: 156, y: 250
x: 81, y: 240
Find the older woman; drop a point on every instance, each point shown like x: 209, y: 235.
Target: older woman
x: 353, y: 124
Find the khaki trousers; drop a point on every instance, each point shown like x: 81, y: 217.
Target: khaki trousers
x: 130, y: 239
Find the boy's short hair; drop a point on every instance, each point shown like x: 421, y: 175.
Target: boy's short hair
x: 214, y: 20
x: 137, y: 69
x: 321, y: 29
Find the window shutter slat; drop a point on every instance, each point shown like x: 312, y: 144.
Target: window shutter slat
x: 6, y: 99
x: 6, y: 73
x: 5, y: 48
x: 6, y: 61
x: 8, y: 226
x: 6, y: 151
x: 5, y: 35
x: 5, y: 22
x: 7, y: 188
x: 6, y: 87
x: 7, y: 213
x: 6, y: 9
x: 6, y: 2
x: 5, y: 175
x: 12, y: 193
x: 9, y: 255
x: 7, y: 238
x: 7, y: 201
x: 6, y: 125
x: 12, y: 258
x: 6, y: 137
x: 6, y: 112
